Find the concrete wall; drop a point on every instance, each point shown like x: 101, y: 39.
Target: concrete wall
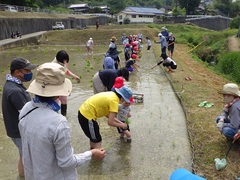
x: 31, y: 25
x: 217, y: 23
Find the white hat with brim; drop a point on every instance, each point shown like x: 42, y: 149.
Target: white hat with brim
x: 50, y: 81
x: 231, y: 89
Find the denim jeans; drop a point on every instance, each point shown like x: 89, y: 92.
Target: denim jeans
x: 227, y: 131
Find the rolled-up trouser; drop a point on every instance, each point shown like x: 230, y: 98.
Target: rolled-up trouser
x: 98, y: 85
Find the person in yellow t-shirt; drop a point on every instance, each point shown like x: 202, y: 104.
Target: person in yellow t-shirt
x: 100, y: 105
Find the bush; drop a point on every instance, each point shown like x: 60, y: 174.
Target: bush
x: 229, y: 64
x: 235, y: 23
x: 126, y: 21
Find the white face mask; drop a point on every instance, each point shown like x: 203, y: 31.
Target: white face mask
x: 227, y: 99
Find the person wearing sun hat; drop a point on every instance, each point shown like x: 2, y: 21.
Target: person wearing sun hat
x: 14, y: 96
x: 124, y: 112
x: 46, y: 137
x: 228, y: 122
x: 104, y: 104
x: 104, y: 80
x: 113, y: 52
x: 119, y: 82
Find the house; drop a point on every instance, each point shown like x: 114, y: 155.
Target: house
x: 139, y: 15
x: 82, y: 8
x: 105, y: 9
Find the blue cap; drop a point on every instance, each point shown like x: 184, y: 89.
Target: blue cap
x: 125, y: 92
x: 183, y: 174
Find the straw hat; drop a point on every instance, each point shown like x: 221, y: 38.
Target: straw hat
x: 125, y: 92
x: 50, y: 81
x: 113, y: 39
x: 231, y: 89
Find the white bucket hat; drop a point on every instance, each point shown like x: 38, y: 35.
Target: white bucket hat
x: 50, y: 81
x: 231, y: 89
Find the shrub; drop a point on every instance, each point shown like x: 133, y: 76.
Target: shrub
x: 126, y: 21
x: 229, y: 64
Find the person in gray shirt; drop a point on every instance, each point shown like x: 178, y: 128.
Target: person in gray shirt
x: 46, y: 137
x: 14, y: 96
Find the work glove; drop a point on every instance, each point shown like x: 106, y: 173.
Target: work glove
x: 220, y: 125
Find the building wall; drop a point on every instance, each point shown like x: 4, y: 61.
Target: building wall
x: 135, y: 20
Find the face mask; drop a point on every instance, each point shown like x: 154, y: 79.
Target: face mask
x: 228, y: 99
x: 28, y: 77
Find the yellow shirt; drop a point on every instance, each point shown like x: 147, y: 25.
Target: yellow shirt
x: 100, y: 105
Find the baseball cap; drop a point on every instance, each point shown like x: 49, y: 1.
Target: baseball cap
x: 119, y: 82
x: 20, y: 63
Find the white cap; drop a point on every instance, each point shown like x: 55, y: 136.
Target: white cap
x: 159, y: 34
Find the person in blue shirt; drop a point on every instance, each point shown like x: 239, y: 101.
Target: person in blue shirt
x: 163, y: 43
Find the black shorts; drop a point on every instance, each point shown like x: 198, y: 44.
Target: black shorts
x: 120, y: 130
x: 90, y: 128
x: 170, y: 49
x: 170, y: 65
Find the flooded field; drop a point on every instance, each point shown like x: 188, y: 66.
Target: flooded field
x: 159, y: 138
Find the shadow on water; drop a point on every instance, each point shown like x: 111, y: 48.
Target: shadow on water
x: 159, y: 139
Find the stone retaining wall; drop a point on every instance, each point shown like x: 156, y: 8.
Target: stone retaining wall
x: 31, y: 25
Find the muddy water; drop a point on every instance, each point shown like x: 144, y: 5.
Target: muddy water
x: 159, y: 138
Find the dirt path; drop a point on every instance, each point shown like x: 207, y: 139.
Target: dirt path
x: 233, y: 44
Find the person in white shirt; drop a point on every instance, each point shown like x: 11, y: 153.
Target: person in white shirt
x: 167, y: 62
x: 89, y: 46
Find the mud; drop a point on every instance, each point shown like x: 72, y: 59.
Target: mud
x: 159, y: 137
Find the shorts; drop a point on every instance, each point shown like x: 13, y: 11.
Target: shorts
x: 170, y: 65
x: 170, y: 49
x: 120, y: 130
x: 18, y: 143
x: 130, y: 69
x: 98, y: 85
x: 90, y: 128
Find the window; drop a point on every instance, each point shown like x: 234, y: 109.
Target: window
x: 133, y: 16
x: 120, y: 17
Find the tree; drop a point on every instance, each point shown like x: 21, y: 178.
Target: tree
x: 189, y: 5
x: 116, y: 6
x: 228, y: 8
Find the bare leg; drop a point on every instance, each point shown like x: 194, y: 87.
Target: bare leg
x: 20, y: 167
x: 95, y: 145
x: 128, y: 134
